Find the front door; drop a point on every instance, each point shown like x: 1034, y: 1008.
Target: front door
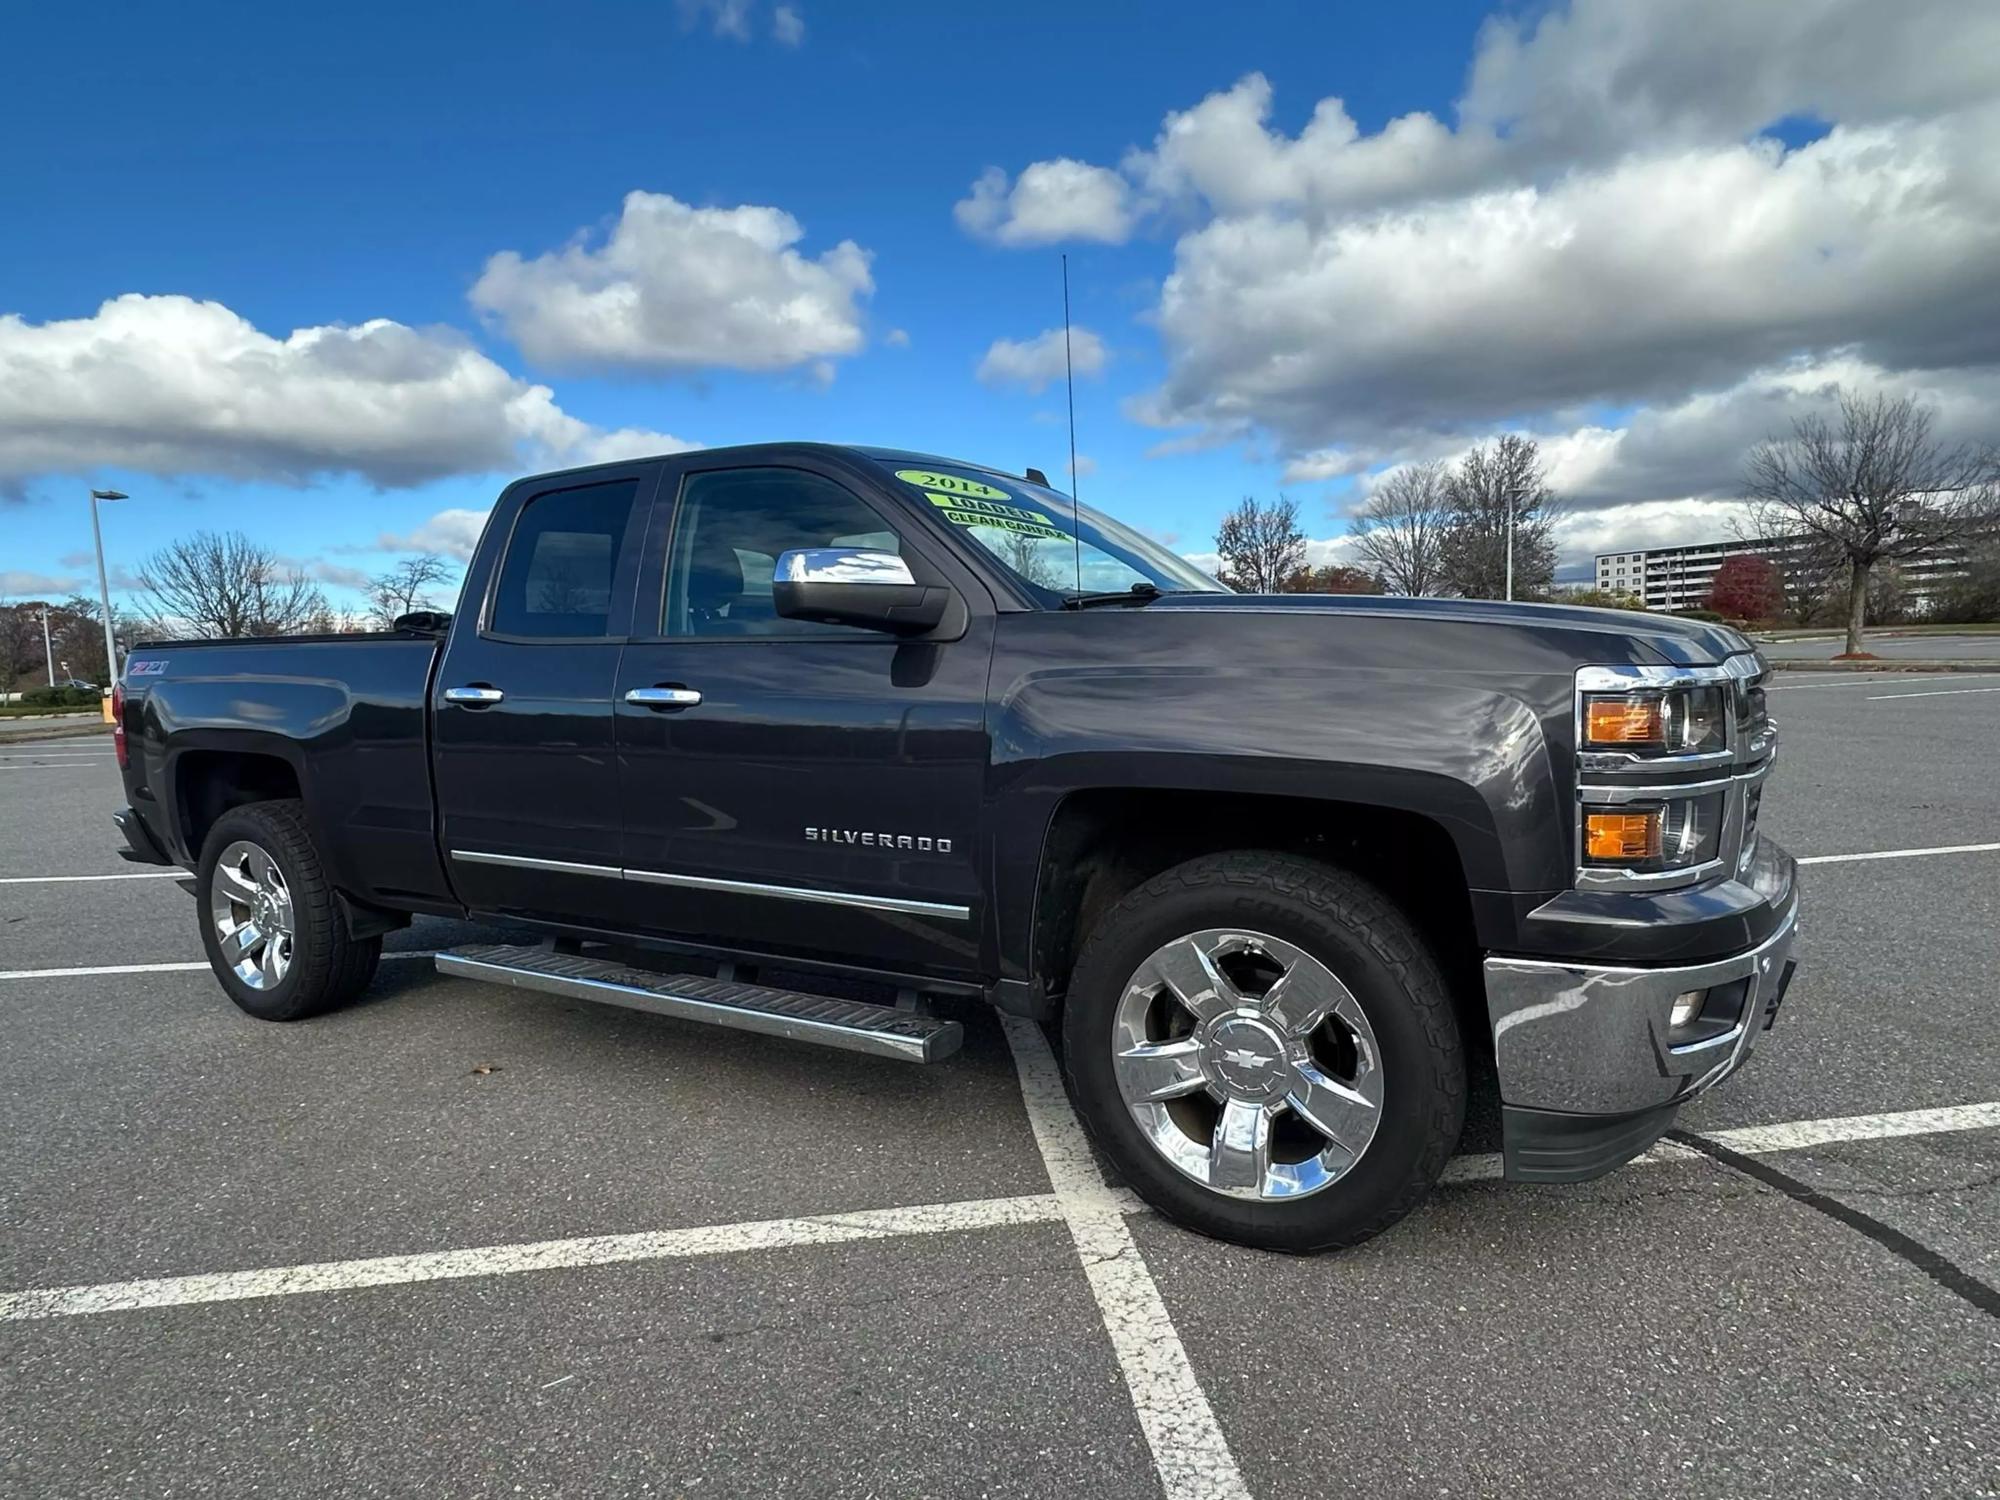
x: 525, y: 755
x: 816, y: 788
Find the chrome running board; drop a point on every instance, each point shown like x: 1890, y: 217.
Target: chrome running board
x: 881, y: 1030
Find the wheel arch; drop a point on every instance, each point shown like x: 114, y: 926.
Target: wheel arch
x: 1101, y: 843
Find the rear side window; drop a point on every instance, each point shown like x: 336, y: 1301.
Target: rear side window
x: 557, y: 576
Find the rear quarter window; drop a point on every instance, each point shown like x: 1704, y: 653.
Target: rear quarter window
x: 562, y: 560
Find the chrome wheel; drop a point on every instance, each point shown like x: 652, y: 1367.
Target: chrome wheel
x: 1247, y: 1064
x: 251, y: 907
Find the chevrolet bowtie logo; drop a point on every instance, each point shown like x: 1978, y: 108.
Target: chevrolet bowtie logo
x: 1246, y: 1059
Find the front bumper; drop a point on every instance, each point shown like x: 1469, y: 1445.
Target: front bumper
x: 1588, y: 1077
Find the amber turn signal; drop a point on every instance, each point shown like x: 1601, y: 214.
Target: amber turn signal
x: 1624, y: 721
x: 1622, y: 835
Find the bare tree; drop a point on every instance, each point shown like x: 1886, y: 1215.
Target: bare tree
x: 1872, y: 485
x: 1261, y: 545
x: 1025, y: 556
x: 225, y: 585
x: 1488, y: 484
x: 14, y: 621
x: 1402, y: 529
x: 406, y: 587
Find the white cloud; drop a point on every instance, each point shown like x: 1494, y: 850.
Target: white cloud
x: 16, y: 584
x: 1038, y: 362
x: 1050, y: 201
x: 788, y: 27
x: 730, y: 18
x: 1610, y: 224
x: 897, y: 338
x: 1083, y: 468
x: 1656, y: 276
x: 677, y: 288
x: 451, y: 533
x: 172, y: 386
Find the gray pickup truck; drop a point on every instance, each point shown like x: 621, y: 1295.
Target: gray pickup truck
x: 800, y: 738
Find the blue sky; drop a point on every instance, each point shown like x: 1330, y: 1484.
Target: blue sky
x: 305, y: 166
x: 313, y: 168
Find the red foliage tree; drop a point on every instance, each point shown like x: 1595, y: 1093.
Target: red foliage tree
x: 1747, y: 587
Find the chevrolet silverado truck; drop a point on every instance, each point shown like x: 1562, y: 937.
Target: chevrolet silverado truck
x: 821, y: 742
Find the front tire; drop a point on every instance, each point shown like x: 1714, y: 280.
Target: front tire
x: 269, y: 922
x: 1265, y: 1047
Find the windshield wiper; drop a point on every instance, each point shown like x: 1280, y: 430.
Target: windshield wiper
x: 1139, y: 593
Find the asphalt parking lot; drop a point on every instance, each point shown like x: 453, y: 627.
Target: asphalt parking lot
x: 466, y: 1240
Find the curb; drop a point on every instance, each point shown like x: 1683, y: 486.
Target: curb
x: 54, y: 729
x: 1782, y: 664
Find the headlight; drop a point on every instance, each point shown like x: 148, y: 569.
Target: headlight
x: 1645, y: 837
x: 1656, y: 721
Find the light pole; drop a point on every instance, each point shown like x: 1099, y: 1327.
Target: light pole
x: 103, y: 587
x: 48, y: 651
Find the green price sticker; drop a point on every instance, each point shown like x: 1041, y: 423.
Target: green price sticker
x: 949, y: 484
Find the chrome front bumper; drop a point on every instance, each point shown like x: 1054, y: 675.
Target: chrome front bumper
x: 1588, y: 1077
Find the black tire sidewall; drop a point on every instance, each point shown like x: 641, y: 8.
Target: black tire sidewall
x: 287, y: 1000
x: 1423, y: 1070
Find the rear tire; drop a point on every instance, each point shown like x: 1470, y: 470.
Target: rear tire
x: 1301, y: 1113
x: 272, y: 929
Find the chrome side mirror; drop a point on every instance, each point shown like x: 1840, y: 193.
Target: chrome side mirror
x: 855, y: 586
x: 840, y: 565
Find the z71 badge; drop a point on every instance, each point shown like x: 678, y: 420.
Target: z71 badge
x: 920, y: 843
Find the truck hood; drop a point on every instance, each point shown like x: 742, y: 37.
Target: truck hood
x: 1677, y: 642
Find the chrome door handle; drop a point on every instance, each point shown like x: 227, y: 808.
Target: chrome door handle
x: 663, y: 697
x: 475, y: 697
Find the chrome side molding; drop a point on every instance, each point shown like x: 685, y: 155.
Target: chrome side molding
x: 951, y: 910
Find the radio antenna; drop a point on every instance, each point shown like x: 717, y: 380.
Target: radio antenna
x: 1069, y: 380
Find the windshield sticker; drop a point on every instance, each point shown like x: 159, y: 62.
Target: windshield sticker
x: 969, y: 510
x: 949, y: 484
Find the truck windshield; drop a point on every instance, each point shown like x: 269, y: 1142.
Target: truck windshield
x: 1027, y: 529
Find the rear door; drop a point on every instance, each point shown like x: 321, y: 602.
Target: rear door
x: 822, y: 796
x: 527, y: 776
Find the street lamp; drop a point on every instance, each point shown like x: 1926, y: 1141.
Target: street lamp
x: 103, y: 587
x: 48, y: 649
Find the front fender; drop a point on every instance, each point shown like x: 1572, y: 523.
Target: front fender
x: 1476, y: 754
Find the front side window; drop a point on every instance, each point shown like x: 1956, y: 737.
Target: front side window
x: 728, y: 534
x: 1056, y: 547
x: 562, y: 560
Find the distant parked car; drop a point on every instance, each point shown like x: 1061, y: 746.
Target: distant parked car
x: 77, y: 684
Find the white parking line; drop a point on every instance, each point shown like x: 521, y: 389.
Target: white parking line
x: 508, y: 1260
x: 1939, y: 693
x: 1759, y: 1140
x: 1841, y: 859
x: 1189, y: 1450
x: 172, y: 874
x: 1870, y: 680
x: 1070, y: 1165
x: 189, y: 967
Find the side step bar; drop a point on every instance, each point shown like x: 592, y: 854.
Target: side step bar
x: 878, y: 1029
